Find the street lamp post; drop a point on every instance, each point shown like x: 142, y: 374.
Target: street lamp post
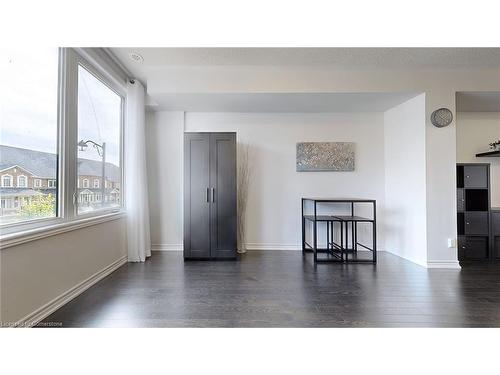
x: 101, y: 150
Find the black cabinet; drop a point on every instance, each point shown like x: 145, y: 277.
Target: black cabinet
x: 476, y: 176
x: 209, y: 195
x: 473, y: 212
x: 473, y: 248
x: 476, y: 223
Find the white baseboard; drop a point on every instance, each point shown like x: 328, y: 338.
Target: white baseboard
x: 167, y: 247
x: 47, y: 309
x: 419, y: 263
x: 272, y: 246
x: 248, y: 246
x: 454, y: 264
x: 432, y: 263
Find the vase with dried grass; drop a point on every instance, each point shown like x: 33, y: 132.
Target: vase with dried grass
x: 243, y: 182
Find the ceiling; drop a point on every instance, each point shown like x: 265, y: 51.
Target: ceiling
x: 346, y: 58
x: 471, y: 101
x: 341, y: 57
x: 280, y: 102
x: 159, y: 60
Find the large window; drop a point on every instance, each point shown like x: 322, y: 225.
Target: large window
x: 61, y: 116
x: 99, y: 143
x: 28, y: 132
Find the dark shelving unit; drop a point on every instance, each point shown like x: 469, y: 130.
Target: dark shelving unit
x: 474, y: 224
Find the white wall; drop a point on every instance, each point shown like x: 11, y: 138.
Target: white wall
x: 164, y: 139
x: 405, y: 175
x: 439, y: 85
x: 273, y: 220
x: 475, y: 131
x: 36, y: 273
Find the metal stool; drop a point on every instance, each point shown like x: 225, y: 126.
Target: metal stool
x: 354, y: 221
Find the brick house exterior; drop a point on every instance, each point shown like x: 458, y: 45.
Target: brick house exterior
x: 26, y: 175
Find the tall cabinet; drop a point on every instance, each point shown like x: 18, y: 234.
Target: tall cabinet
x: 210, y: 195
x: 473, y: 212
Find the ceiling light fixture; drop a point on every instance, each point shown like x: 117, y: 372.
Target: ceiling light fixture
x: 136, y: 57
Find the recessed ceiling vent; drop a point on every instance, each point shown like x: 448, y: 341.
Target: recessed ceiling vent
x: 136, y: 57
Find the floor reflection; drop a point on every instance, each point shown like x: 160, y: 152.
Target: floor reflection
x: 285, y: 289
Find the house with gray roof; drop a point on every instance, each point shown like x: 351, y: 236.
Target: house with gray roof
x: 27, y: 175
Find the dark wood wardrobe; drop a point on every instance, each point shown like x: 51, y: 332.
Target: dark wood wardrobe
x: 210, y: 196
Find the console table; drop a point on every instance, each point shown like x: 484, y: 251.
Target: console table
x: 345, y: 251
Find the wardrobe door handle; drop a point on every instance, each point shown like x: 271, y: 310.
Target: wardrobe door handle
x: 208, y: 195
x: 213, y: 195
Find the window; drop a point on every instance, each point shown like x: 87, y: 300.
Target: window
x: 42, y: 148
x: 6, y: 203
x: 99, y: 139
x: 22, y: 181
x: 6, y: 180
x: 29, y: 127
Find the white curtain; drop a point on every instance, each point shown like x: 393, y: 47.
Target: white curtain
x: 136, y: 186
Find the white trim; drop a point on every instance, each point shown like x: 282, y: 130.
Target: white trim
x: 35, y: 185
x: 272, y: 246
x: 19, y: 238
x: 120, y: 64
x: 450, y: 264
x: 11, y: 180
x: 414, y: 261
x: 24, y: 169
x: 25, y: 179
x: 167, y: 247
x: 47, y: 309
x: 248, y: 246
x: 83, y: 183
x: 105, y: 67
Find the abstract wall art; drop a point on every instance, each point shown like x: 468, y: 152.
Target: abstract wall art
x: 325, y: 156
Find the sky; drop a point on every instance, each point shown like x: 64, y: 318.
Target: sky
x: 28, y: 104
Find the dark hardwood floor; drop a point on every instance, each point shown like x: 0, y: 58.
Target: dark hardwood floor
x: 283, y: 289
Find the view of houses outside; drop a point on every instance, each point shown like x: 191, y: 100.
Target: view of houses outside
x: 99, y: 130
x: 29, y: 183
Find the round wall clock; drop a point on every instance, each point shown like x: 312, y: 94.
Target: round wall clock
x: 441, y: 117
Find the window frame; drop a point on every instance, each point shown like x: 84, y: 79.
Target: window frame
x: 25, y: 181
x: 99, y: 63
x: 119, y: 90
x: 31, y: 224
x: 11, y: 178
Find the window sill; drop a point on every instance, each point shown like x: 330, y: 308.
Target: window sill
x: 19, y: 238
